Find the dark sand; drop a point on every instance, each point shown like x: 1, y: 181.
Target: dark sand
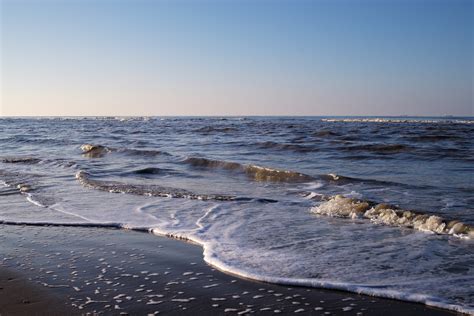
x: 19, y: 296
x: 116, y: 272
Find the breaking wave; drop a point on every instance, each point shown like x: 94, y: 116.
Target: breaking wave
x: 94, y: 151
x: 155, y: 190
x: 98, y: 151
x: 340, y: 206
x: 254, y: 172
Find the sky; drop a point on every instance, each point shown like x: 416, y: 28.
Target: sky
x: 231, y: 57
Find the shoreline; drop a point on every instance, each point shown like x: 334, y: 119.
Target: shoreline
x: 119, y: 271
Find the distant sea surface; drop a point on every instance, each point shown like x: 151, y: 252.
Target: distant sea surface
x: 380, y: 206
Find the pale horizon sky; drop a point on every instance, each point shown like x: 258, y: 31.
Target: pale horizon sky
x: 262, y: 57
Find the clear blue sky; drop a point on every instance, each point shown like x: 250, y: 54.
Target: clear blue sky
x: 334, y: 57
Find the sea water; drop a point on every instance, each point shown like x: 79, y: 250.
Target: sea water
x: 380, y: 206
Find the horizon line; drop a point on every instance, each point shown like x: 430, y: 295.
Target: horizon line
x: 211, y: 116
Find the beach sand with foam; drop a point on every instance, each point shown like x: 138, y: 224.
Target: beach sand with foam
x: 109, y: 271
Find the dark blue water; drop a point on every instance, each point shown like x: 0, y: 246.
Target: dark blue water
x: 311, y: 201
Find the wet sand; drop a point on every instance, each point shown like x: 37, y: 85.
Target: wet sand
x: 67, y: 270
x: 19, y: 296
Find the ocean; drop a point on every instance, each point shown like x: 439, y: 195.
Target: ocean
x: 378, y: 206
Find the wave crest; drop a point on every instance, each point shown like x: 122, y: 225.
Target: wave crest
x: 254, y: 172
x: 94, y: 151
x: 20, y: 160
x: 98, y: 151
x: 147, y: 190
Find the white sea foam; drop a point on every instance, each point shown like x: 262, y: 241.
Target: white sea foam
x: 213, y: 259
x: 30, y: 199
x: 315, y: 185
x: 341, y: 206
x: 311, y: 195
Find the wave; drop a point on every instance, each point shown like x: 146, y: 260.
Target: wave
x: 94, y: 151
x: 341, y: 180
x: 39, y: 200
x: 22, y: 182
x: 98, y: 151
x: 25, y: 184
x: 332, y: 177
x: 338, y: 179
x: 7, y: 190
x: 147, y: 190
x: 20, y: 160
x: 155, y: 190
x: 340, y: 206
x: 254, y: 172
x: 324, y: 133
x: 59, y: 162
x: 75, y: 224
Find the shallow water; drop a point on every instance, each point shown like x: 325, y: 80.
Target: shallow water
x: 257, y: 194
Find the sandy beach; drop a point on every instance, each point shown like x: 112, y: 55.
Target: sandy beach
x: 56, y: 270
